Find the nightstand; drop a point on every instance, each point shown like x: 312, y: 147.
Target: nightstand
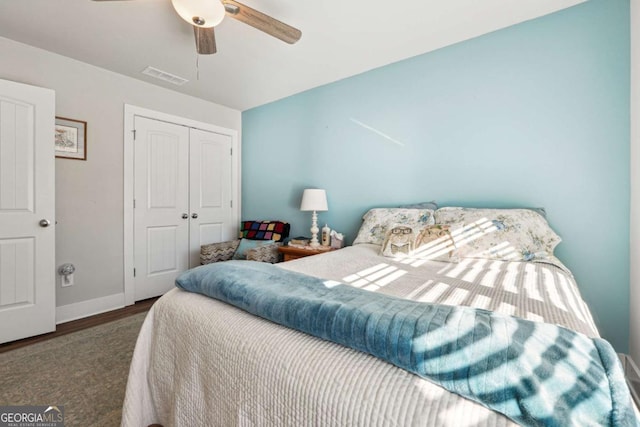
x: 295, y: 252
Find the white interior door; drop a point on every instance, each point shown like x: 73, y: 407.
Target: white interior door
x: 161, y: 205
x: 27, y: 197
x: 211, y: 196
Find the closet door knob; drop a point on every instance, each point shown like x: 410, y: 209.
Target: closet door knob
x: 44, y: 223
x: 185, y: 216
x: 194, y: 215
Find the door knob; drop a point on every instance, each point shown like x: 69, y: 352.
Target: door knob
x: 194, y: 215
x: 185, y: 216
x: 44, y: 223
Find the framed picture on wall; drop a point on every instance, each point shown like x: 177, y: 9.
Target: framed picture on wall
x: 71, y: 139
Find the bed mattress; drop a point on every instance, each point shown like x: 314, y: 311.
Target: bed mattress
x: 201, y: 362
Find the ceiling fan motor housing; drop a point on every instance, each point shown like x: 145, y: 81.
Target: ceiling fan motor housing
x: 201, y: 13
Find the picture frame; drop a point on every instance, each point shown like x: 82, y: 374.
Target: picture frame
x: 70, y: 139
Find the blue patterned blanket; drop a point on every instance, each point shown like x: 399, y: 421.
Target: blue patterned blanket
x: 534, y: 373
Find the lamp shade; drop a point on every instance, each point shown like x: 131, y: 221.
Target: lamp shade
x: 201, y: 13
x: 314, y: 199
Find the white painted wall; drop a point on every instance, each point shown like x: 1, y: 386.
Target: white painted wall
x: 634, y: 288
x: 89, y: 194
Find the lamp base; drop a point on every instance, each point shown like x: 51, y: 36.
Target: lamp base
x: 314, y: 230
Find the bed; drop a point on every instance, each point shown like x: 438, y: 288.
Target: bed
x: 202, y: 362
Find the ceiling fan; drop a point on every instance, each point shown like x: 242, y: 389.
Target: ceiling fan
x: 204, y: 15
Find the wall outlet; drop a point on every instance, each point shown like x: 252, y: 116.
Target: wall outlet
x: 66, y: 280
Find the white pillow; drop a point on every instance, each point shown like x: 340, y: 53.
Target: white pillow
x: 501, y: 234
x: 378, y: 220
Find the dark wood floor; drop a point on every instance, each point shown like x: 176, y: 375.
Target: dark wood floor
x: 80, y: 324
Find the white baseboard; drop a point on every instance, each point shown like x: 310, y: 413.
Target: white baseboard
x: 79, y: 310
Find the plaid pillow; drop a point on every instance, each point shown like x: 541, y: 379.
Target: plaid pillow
x: 265, y: 230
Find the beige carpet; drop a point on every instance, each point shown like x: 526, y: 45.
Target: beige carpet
x: 85, y: 371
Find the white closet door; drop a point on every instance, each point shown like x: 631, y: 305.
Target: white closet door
x: 161, y: 212
x: 27, y: 211
x: 211, y: 196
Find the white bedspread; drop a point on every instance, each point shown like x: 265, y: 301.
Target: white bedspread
x: 201, y: 362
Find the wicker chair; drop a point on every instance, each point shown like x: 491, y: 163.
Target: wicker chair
x: 254, y: 230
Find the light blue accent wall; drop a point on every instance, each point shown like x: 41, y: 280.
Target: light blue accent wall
x: 533, y: 115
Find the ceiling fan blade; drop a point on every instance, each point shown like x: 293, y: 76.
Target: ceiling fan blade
x: 262, y: 22
x: 205, y: 40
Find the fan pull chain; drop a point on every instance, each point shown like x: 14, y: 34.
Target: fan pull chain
x: 198, y: 55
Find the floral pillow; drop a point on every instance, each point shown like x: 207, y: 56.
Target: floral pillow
x: 377, y: 221
x: 502, y: 234
x: 422, y: 205
x: 433, y: 242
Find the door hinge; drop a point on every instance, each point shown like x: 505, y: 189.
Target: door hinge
x: 134, y: 134
x: 134, y: 203
x: 231, y: 202
x: 134, y: 272
x: 231, y: 151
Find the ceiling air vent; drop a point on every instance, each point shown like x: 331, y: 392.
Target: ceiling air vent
x: 163, y: 75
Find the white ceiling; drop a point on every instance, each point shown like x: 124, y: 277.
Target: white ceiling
x: 339, y: 39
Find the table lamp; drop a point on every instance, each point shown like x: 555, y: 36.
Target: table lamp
x: 315, y: 200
